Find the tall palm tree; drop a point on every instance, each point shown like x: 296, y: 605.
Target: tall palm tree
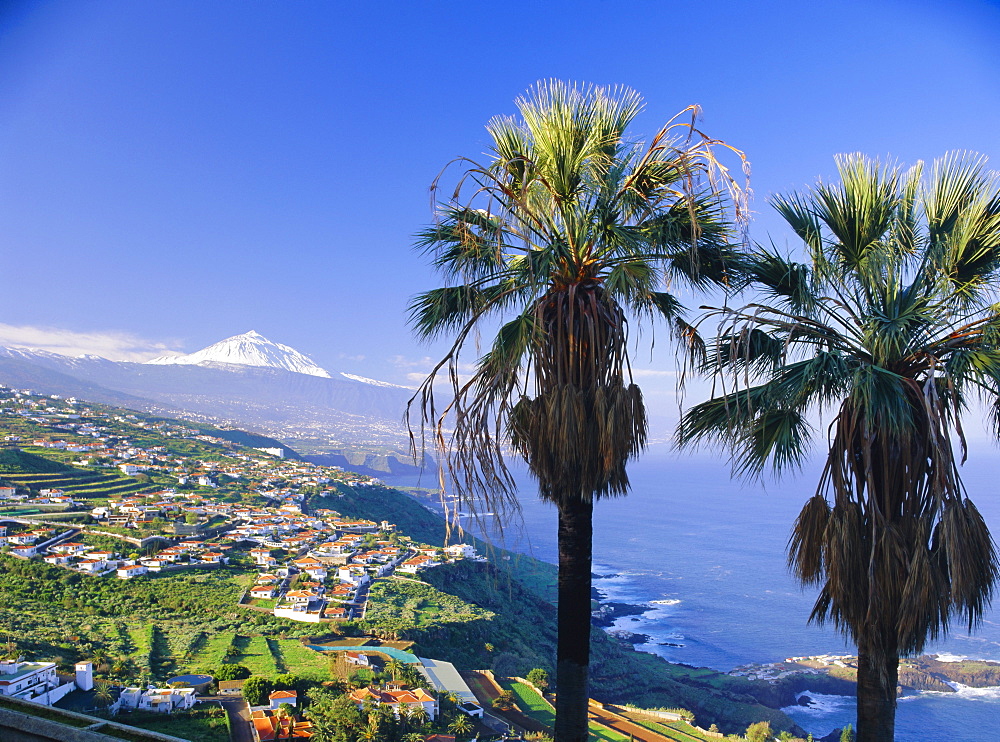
x: 891, y: 325
x: 568, y: 229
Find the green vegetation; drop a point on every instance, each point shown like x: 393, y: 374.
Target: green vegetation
x: 161, y: 625
x: 304, y: 662
x: 396, y: 606
x: 256, y: 654
x: 530, y: 703
x: 15, y: 461
x: 31, y: 470
x: 197, y: 725
x: 675, y: 730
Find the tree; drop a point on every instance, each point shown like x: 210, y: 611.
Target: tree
x: 847, y: 734
x: 231, y: 672
x: 395, y: 668
x: 419, y: 715
x: 333, y: 718
x: 538, y: 678
x: 891, y: 325
x: 504, y: 701
x: 288, y: 681
x: 256, y: 689
x: 102, y: 693
x: 460, y: 726
x: 759, y: 732
x: 569, y: 228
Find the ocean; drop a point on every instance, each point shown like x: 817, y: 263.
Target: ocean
x: 707, y: 555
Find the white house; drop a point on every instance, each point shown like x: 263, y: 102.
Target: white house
x: 131, y: 570
x: 24, y: 679
x: 282, y: 696
x: 161, y: 700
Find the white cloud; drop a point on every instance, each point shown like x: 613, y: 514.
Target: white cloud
x: 111, y: 344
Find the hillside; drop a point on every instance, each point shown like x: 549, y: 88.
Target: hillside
x: 497, y: 615
x: 16, y: 461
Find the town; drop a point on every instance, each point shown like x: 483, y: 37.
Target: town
x: 190, y: 580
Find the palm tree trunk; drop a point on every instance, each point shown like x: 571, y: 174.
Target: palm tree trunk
x: 876, y: 689
x: 576, y: 530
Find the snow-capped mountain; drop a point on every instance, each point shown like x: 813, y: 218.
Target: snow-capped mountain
x: 245, y: 380
x: 249, y: 349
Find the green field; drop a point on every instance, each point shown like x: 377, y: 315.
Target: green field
x: 396, y: 605
x: 305, y: 662
x: 530, y: 703
x: 197, y: 725
x: 32, y: 470
x: 676, y: 730
x: 533, y: 705
x: 256, y: 655
x: 213, y: 652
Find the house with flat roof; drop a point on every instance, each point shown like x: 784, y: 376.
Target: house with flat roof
x: 25, y: 679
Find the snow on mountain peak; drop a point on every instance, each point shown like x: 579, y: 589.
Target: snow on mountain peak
x: 249, y: 349
x: 373, y: 382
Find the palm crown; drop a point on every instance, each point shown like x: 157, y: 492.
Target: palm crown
x: 890, y: 323
x: 567, y: 223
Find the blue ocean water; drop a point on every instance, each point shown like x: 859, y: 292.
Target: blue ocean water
x: 707, y: 555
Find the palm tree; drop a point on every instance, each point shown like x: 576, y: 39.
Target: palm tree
x: 102, y: 693
x: 890, y: 325
x: 460, y: 726
x: 568, y: 229
x: 395, y: 667
x: 419, y: 715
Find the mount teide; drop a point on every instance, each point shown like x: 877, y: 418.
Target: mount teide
x: 246, y: 380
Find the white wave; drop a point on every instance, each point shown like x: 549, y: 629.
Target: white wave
x: 821, y: 704
x: 667, y: 601
x: 948, y: 657
x: 990, y: 693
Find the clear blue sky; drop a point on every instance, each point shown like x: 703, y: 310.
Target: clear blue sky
x: 173, y: 172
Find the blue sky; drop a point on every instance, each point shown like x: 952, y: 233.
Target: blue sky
x: 173, y: 173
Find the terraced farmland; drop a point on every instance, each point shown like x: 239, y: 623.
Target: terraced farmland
x: 78, y: 483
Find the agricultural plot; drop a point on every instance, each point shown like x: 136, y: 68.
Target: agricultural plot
x: 305, y: 662
x: 533, y: 705
x: 677, y: 730
x: 213, y: 652
x: 77, y: 482
x: 256, y: 655
x: 396, y: 605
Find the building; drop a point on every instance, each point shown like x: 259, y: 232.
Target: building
x: 231, y: 687
x: 25, y: 679
x: 84, y: 675
x: 282, y: 696
x: 410, y: 697
x: 160, y: 700
x: 445, y: 678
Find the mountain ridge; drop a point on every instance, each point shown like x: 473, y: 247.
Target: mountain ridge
x: 249, y: 349
x: 328, y: 410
